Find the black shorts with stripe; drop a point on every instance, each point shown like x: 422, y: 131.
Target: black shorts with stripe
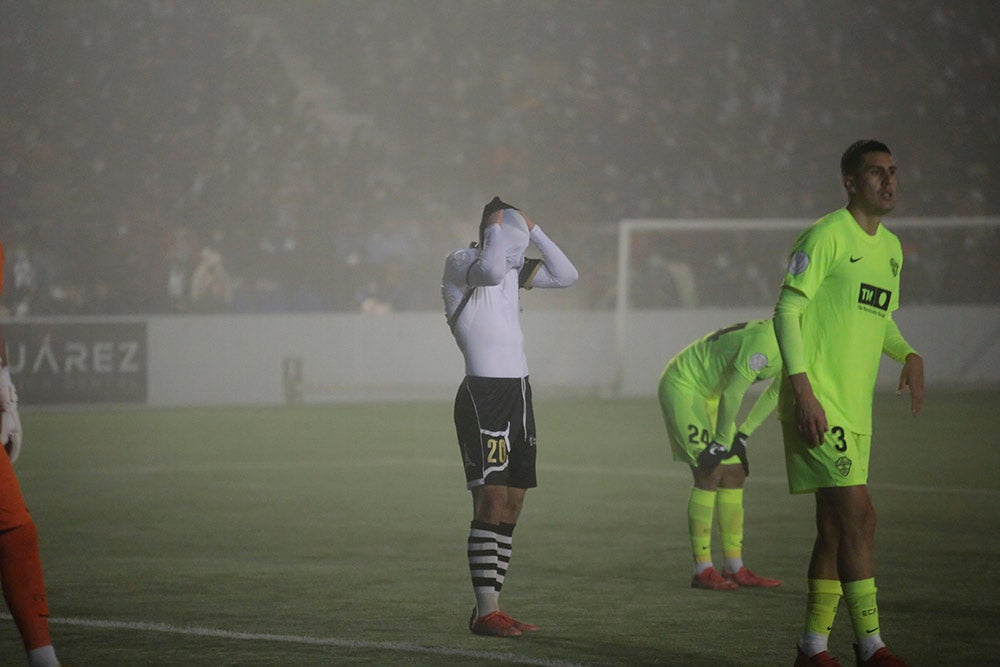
x: 495, y: 423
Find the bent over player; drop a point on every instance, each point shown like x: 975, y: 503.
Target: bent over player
x: 833, y: 321
x: 700, y: 392
x: 20, y: 565
x: 494, y: 418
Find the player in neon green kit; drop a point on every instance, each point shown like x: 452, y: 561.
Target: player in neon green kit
x: 833, y: 322
x: 700, y: 393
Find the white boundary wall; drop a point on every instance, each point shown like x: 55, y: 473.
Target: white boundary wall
x: 229, y: 360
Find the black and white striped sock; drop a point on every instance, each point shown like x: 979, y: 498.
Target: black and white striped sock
x: 505, y: 540
x: 482, y: 552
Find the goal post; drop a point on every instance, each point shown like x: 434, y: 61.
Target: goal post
x: 677, y: 279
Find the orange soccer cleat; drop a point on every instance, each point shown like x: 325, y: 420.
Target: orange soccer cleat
x: 495, y: 624
x: 745, y: 577
x: 712, y: 581
x: 523, y: 627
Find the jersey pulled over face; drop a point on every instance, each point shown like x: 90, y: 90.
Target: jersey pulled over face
x: 513, y: 237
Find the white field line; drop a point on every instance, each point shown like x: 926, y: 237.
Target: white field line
x: 669, y: 470
x: 399, y: 647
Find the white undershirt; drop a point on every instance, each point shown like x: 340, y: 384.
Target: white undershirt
x: 488, y: 330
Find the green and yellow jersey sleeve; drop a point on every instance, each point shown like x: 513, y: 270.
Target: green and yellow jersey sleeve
x: 895, y: 345
x: 763, y: 407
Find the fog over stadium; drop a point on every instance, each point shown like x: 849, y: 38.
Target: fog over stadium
x: 224, y: 227
x: 332, y: 152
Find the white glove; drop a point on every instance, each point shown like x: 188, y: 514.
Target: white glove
x: 10, y: 421
x: 10, y: 431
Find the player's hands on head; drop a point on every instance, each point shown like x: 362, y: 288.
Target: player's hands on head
x: 739, y: 449
x: 912, y: 378
x: 711, y: 457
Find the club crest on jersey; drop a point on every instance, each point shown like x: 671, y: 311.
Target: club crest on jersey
x: 894, y: 265
x: 758, y: 361
x: 876, y: 297
x: 843, y: 465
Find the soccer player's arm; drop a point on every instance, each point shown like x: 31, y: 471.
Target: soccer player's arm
x: 736, y: 386
x: 553, y: 270
x: 810, y: 416
x: 10, y: 421
x: 762, y: 408
x: 491, y: 265
x: 894, y: 344
x: 912, y: 375
x: 768, y: 399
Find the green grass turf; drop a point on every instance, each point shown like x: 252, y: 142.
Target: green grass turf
x: 347, y: 524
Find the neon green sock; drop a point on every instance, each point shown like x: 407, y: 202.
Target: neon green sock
x: 731, y: 522
x: 701, y: 507
x: 860, y: 598
x: 821, y: 609
x: 821, y: 606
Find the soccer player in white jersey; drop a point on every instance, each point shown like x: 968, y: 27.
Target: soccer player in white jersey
x: 494, y: 418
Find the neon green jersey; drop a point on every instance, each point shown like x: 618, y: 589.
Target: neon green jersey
x: 850, y: 280
x: 723, y: 364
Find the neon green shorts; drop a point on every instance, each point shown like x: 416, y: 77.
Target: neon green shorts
x: 690, y: 420
x: 842, y: 459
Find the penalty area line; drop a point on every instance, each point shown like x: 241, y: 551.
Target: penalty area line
x: 400, y: 647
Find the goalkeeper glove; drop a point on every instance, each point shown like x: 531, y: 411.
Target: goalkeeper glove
x: 10, y: 421
x: 10, y: 431
x: 739, y: 449
x: 710, y: 457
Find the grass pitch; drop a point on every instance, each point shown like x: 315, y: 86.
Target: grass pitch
x: 331, y: 535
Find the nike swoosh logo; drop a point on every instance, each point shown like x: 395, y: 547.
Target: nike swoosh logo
x: 856, y: 259
x: 871, y: 630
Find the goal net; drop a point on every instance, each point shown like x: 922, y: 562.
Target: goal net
x: 678, y: 279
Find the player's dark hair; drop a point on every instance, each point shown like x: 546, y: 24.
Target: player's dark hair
x: 494, y: 205
x: 853, y: 157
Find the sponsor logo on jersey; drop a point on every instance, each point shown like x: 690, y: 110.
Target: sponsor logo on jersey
x: 894, y: 265
x: 876, y: 297
x: 855, y: 259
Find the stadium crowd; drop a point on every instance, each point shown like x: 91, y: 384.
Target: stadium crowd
x: 162, y: 156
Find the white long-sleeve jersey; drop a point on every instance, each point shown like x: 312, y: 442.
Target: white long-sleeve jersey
x: 488, y: 330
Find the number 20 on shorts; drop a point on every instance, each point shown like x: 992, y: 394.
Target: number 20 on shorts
x: 496, y: 450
